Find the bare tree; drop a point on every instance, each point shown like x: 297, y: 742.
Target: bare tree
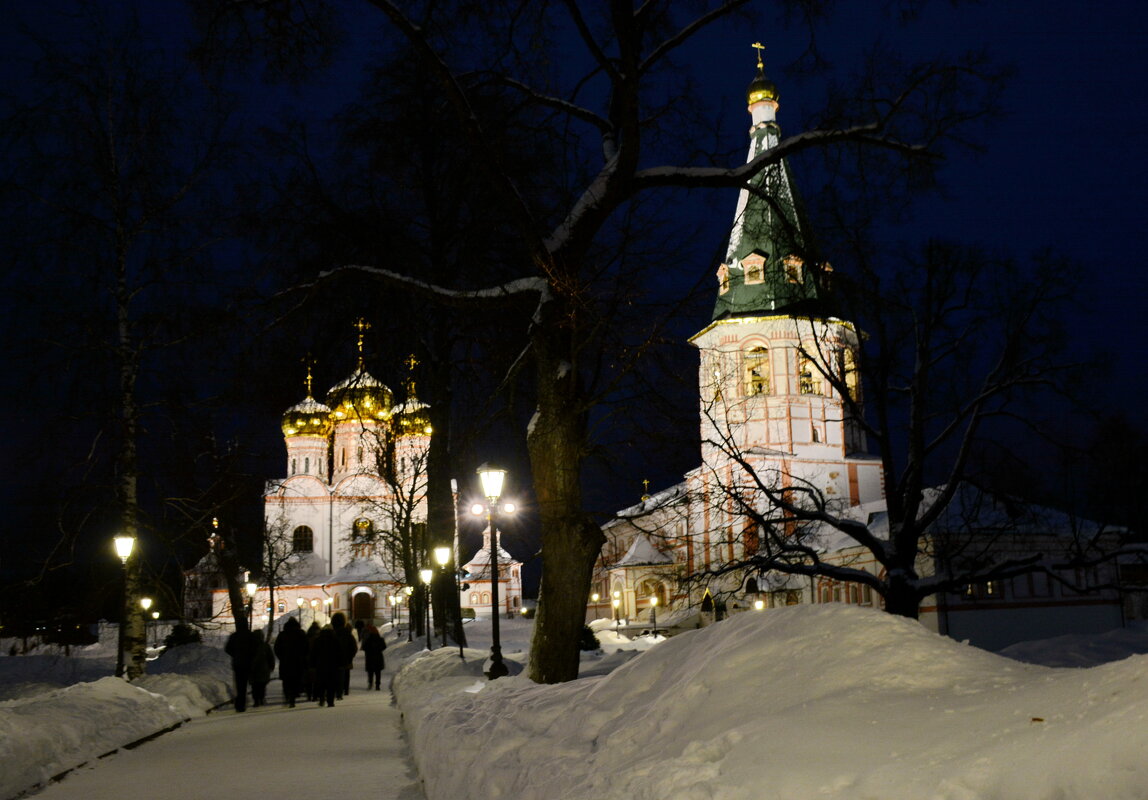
x: 627, y: 50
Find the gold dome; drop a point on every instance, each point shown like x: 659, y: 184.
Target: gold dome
x: 309, y: 418
x: 360, y: 397
x: 413, y: 418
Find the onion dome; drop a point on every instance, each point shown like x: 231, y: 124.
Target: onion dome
x: 412, y: 417
x: 361, y: 396
x: 761, y: 87
x: 309, y: 418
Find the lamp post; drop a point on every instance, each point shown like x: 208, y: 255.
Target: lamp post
x: 442, y: 558
x: 425, y: 576
x: 615, y: 602
x: 314, y: 610
x: 145, y: 604
x: 492, y: 478
x: 155, y: 628
x: 594, y: 599
x: 654, y: 614
x: 124, y: 545
x: 251, y: 587
x: 327, y: 603
x: 410, y: 591
x: 299, y: 605
x: 394, y: 598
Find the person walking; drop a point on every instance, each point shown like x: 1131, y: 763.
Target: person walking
x: 312, y: 635
x: 373, y: 647
x: 291, y: 650
x: 348, y: 647
x: 326, y: 657
x: 239, y: 648
x: 262, y: 665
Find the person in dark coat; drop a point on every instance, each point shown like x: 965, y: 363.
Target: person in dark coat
x: 373, y: 647
x: 349, y: 648
x: 291, y: 649
x: 312, y: 635
x: 262, y: 665
x: 326, y: 658
x: 239, y: 648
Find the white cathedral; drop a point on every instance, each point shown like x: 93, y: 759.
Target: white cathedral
x: 355, y: 487
x: 765, y: 408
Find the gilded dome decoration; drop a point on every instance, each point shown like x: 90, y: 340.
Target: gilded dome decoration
x: 761, y: 87
x: 413, y: 416
x: 309, y: 418
x: 360, y: 396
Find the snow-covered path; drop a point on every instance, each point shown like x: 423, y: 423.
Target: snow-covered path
x: 356, y: 749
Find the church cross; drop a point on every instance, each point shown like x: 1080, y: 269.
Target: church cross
x: 309, y: 362
x: 362, y: 326
x: 758, y: 46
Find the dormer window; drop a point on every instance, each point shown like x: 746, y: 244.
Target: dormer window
x: 723, y: 279
x: 754, y: 266
x: 793, y: 266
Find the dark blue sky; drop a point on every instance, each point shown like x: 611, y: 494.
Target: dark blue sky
x: 1065, y: 167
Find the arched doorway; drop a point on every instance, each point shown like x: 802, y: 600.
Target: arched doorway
x: 363, y: 607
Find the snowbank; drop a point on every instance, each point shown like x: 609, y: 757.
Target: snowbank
x: 808, y: 701
x: 46, y: 730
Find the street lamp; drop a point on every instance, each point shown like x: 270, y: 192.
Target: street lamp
x: 251, y: 587
x: 594, y: 599
x: 410, y: 592
x: 425, y: 576
x: 123, y: 545
x: 145, y: 604
x: 654, y: 614
x: 155, y: 628
x: 327, y: 603
x: 442, y: 558
x: 314, y: 610
x: 616, y: 602
x: 758, y: 604
x: 299, y: 605
x: 492, y: 478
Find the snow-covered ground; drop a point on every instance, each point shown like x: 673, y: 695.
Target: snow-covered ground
x: 803, y: 702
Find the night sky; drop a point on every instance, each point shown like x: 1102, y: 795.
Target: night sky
x: 1064, y: 168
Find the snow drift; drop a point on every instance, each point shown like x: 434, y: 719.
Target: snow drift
x: 808, y: 701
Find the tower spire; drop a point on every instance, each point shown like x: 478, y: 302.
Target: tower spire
x: 309, y: 362
x: 767, y: 267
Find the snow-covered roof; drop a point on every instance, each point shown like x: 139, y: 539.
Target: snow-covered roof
x: 643, y: 553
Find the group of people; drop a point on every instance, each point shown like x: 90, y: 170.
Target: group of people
x: 316, y: 663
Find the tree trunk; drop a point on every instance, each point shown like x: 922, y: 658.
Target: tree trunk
x: 901, y: 598
x: 571, y: 540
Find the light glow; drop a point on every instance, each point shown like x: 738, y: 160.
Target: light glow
x: 425, y: 575
x: 491, y: 478
x: 124, y: 545
x: 442, y: 556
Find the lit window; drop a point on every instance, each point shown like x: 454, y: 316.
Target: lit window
x: 756, y: 370
x: 807, y: 377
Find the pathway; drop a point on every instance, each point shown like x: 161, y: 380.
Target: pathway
x: 355, y: 750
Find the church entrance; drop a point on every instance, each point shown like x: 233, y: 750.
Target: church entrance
x: 363, y: 607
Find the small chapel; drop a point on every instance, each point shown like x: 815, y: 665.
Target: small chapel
x: 354, y: 488
x: 765, y: 408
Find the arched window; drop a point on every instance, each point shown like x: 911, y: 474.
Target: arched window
x: 292, y: 466
x: 362, y: 530
x: 307, y: 465
x: 807, y: 377
x: 474, y: 599
x: 302, y: 540
x: 281, y: 606
x: 755, y: 368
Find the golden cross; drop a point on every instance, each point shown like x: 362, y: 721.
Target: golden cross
x: 310, y: 362
x: 411, y: 363
x: 758, y: 46
x: 362, y: 326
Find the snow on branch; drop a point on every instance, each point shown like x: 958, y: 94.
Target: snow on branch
x: 735, y: 176
x: 459, y: 298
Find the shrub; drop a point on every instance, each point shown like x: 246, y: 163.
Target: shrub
x: 182, y: 634
x: 588, y: 641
